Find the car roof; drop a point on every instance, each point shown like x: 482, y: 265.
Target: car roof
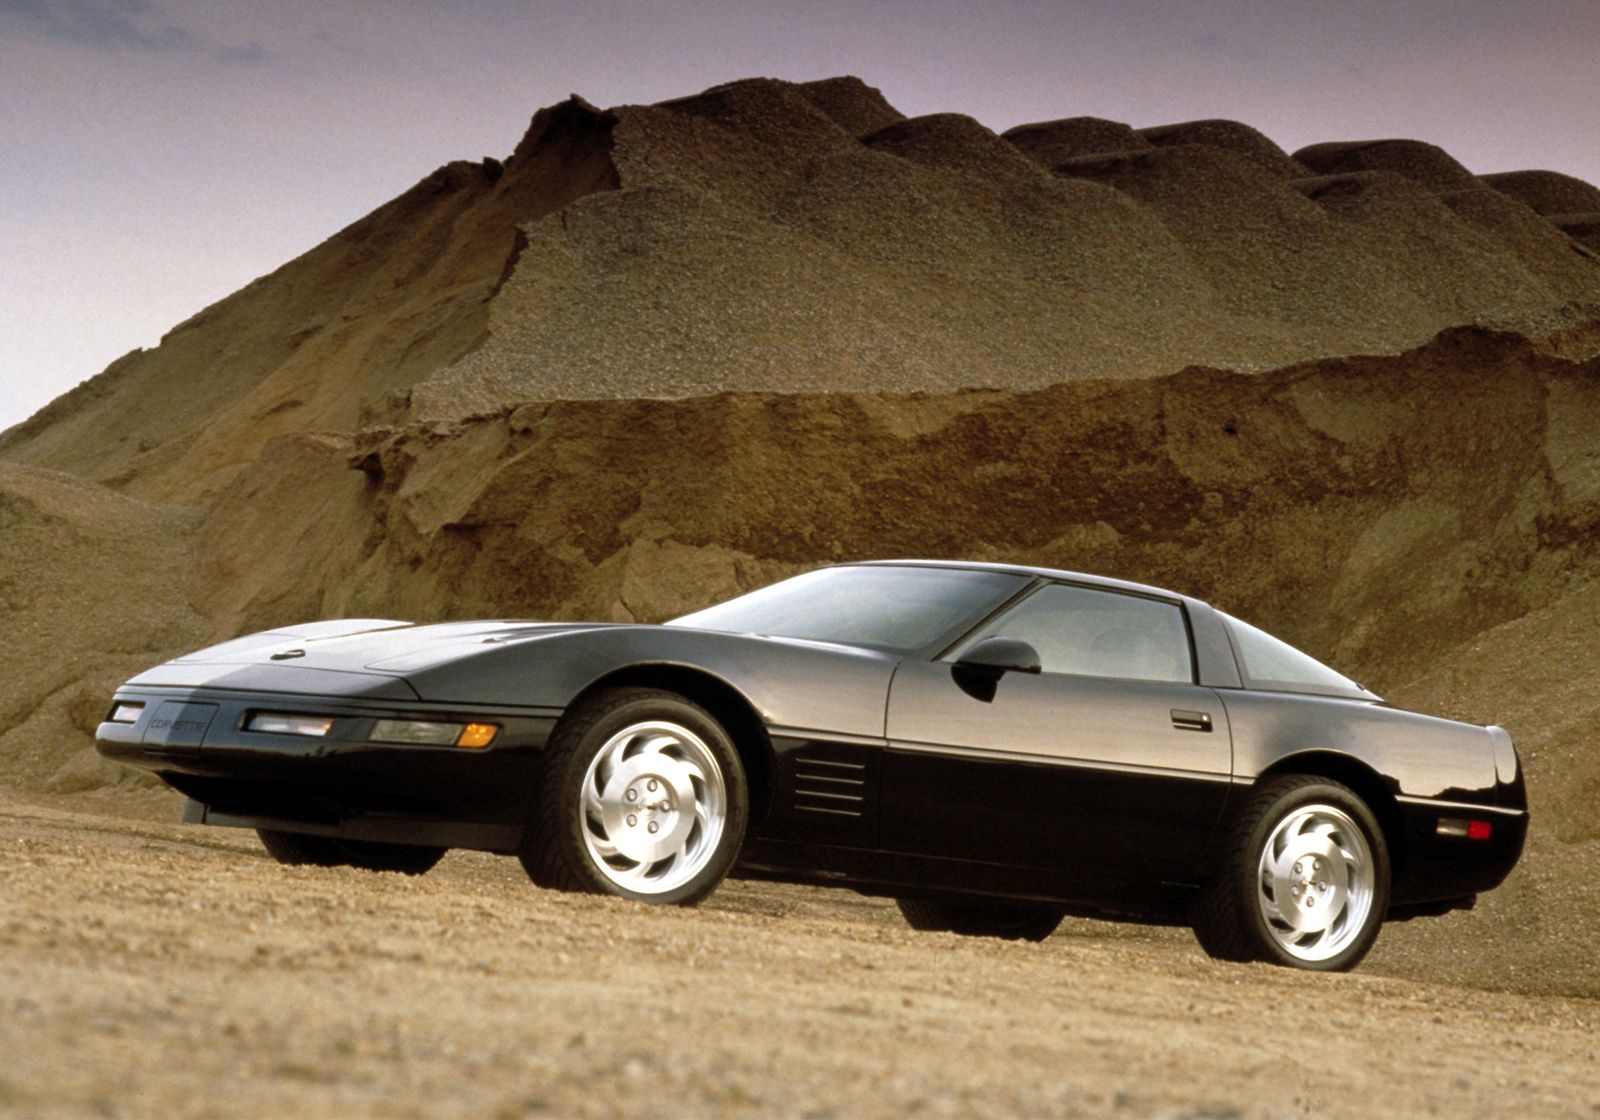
x: 1027, y: 570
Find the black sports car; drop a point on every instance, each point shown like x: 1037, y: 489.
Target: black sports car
x: 992, y: 746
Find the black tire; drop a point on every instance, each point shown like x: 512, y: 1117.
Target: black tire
x: 1237, y: 915
x: 1014, y: 922
x: 329, y: 851
x: 568, y: 836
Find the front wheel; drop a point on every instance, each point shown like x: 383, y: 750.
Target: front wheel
x: 1304, y: 880
x: 641, y: 794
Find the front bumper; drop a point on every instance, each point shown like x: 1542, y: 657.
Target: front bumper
x: 342, y: 784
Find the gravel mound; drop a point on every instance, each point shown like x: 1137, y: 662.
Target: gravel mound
x: 1422, y: 163
x: 1583, y: 228
x: 1296, y: 265
x: 1204, y: 238
x: 1541, y: 246
x: 774, y: 114
x: 952, y: 142
x: 1231, y: 136
x: 800, y: 237
x: 1547, y: 192
x: 1052, y: 142
x: 855, y: 106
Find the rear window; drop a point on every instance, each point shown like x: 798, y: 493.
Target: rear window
x: 1276, y: 665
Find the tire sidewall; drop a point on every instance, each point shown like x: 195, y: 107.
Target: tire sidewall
x: 669, y: 708
x: 1342, y: 798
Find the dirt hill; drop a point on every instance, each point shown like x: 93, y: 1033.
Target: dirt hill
x: 779, y: 237
x: 93, y: 587
x: 664, y: 353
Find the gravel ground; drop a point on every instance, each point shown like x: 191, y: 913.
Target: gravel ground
x: 161, y: 970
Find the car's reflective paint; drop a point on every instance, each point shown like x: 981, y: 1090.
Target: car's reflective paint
x: 868, y: 768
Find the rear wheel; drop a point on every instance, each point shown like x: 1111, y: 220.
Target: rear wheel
x: 330, y: 851
x: 1014, y: 922
x: 641, y: 794
x: 1304, y: 880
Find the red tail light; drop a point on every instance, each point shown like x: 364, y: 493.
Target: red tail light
x: 1466, y: 829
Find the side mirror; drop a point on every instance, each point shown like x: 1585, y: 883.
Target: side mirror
x: 994, y: 656
x: 977, y: 672
x: 980, y: 669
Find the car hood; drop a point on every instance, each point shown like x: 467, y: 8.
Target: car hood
x: 373, y: 644
x: 787, y: 681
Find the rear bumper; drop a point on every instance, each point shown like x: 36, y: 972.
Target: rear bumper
x: 1434, y: 865
x: 339, y: 785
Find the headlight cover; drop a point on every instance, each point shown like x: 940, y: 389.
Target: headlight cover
x: 288, y: 723
x: 125, y: 711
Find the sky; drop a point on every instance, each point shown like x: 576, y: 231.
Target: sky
x: 156, y: 155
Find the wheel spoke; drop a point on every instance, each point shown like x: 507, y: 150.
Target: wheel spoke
x: 604, y: 764
x: 593, y: 807
x: 626, y: 876
x: 1284, y: 904
x: 656, y: 744
x: 602, y: 847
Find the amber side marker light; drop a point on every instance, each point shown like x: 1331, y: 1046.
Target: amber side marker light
x: 429, y: 733
x: 1468, y: 830
x: 477, y: 735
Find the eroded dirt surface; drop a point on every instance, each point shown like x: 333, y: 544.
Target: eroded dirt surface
x: 151, y: 969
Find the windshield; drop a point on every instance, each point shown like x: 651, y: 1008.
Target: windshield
x: 1277, y: 666
x: 892, y: 608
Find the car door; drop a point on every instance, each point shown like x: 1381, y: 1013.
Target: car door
x: 1107, y: 770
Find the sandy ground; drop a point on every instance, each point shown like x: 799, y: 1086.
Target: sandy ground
x: 151, y: 969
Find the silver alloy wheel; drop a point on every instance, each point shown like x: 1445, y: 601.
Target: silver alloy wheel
x: 654, y: 807
x: 1316, y: 882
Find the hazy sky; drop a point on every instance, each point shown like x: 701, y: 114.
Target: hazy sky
x: 156, y: 155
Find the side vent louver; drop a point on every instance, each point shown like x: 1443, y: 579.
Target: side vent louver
x: 826, y: 786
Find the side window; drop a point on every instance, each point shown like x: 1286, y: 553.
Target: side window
x: 1093, y: 633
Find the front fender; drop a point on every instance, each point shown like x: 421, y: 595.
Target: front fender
x: 791, y: 684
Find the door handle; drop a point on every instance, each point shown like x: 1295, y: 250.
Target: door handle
x: 1191, y: 721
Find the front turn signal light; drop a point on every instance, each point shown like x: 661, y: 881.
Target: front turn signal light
x: 476, y: 735
x: 429, y: 733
